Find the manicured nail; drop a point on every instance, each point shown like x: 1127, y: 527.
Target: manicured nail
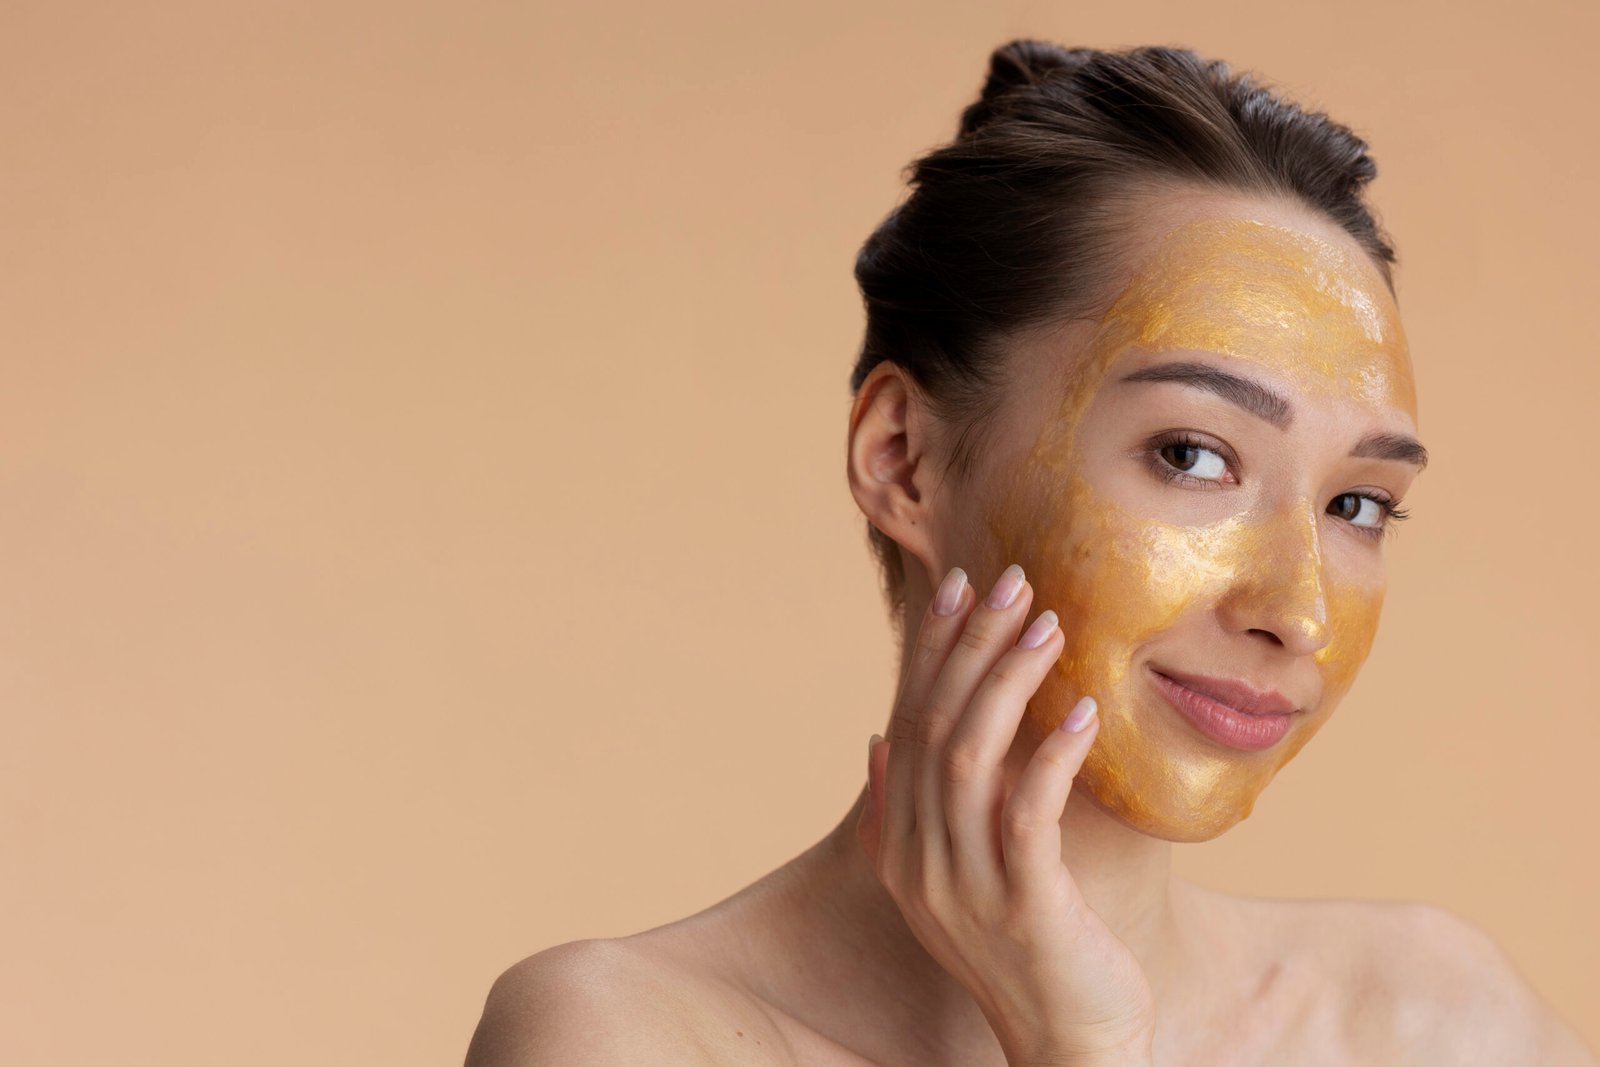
x: 872, y: 741
x: 1039, y: 632
x: 1006, y: 589
x: 950, y: 590
x: 1080, y: 716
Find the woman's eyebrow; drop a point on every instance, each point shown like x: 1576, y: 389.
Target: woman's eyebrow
x: 1254, y: 397
x: 1398, y: 446
x: 1274, y: 408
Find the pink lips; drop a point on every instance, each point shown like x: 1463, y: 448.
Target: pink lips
x: 1230, y: 713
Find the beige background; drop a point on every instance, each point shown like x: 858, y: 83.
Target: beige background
x: 423, y: 534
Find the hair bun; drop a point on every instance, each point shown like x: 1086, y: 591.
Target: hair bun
x: 1019, y: 65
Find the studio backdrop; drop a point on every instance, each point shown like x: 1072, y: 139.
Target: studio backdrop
x: 423, y: 528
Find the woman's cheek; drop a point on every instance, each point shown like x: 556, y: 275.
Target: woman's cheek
x: 1353, y: 612
x: 1119, y: 581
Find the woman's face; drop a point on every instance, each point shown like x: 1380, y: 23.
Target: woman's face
x: 1206, y: 497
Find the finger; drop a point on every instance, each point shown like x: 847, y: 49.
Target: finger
x: 988, y: 633
x: 976, y: 752
x: 1031, y: 823
x: 869, y: 827
x: 935, y: 638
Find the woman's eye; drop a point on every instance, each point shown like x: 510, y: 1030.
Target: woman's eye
x: 1194, y: 460
x: 1358, y: 510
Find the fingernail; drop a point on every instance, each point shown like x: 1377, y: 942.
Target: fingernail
x: 1005, y: 590
x: 1080, y: 715
x: 949, y: 596
x: 1039, y: 632
x: 871, y: 742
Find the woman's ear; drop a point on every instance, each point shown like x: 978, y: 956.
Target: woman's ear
x: 889, y: 462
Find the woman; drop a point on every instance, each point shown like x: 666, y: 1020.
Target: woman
x: 1133, y: 359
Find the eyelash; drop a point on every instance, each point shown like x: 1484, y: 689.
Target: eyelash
x: 1393, y: 513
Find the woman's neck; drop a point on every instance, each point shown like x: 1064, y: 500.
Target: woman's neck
x: 1124, y: 875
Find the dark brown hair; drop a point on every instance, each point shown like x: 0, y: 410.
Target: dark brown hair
x: 1018, y: 222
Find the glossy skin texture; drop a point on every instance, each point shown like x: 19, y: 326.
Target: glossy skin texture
x: 1258, y: 563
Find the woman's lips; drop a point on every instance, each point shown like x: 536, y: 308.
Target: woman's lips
x: 1222, y: 723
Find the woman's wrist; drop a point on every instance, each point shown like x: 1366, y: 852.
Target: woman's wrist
x: 1127, y: 1059
x: 1138, y: 1055
x: 1124, y: 1059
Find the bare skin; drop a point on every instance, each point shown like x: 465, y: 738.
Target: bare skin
x: 815, y: 963
x: 808, y: 967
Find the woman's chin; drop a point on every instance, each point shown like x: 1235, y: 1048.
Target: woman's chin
x: 1160, y: 813
x: 1156, y: 774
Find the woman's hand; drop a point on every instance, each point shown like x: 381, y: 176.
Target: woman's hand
x: 978, y: 874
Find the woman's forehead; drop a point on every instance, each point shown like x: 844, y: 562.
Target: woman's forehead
x: 1315, y: 316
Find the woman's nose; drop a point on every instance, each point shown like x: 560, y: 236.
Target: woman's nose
x: 1280, y: 589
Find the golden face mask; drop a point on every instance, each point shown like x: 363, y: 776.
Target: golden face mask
x: 1321, y: 320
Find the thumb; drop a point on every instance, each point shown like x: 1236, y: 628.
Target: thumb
x: 869, y: 827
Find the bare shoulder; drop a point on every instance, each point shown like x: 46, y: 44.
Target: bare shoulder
x: 610, y: 1001
x: 1430, y: 987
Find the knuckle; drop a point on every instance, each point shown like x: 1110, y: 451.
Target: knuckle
x: 973, y: 638
x: 923, y: 890
x: 918, y: 887
x: 1020, y: 819
x: 888, y: 866
x: 1006, y: 672
x: 1051, y: 755
x: 960, y: 765
x: 930, y: 727
x: 931, y: 643
x: 914, y: 887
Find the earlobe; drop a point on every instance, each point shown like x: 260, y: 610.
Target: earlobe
x: 886, y: 454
